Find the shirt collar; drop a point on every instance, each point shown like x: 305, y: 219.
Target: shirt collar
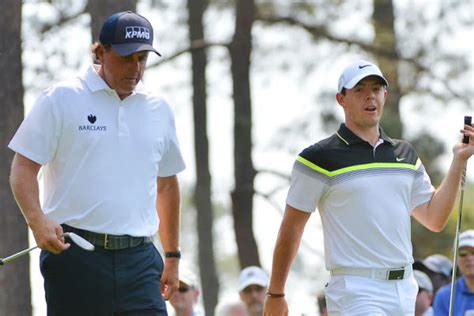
x: 95, y: 82
x: 349, y: 138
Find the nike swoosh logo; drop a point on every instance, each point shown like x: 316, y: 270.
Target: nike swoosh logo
x: 400, y: 159
x: 363, y: 66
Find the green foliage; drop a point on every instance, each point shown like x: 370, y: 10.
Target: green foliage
x: 426, y: 242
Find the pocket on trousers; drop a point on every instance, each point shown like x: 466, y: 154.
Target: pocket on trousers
x: 45, y: 262
x: 335, y: 293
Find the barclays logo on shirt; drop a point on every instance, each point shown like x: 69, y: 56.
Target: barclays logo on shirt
x: 137, y: 32
x: 92, y: 119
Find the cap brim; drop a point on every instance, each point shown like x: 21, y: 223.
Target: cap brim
x: 186, y: 281
x: 131, y: 48
x: 252, y: 281
x: 419, y: 265
x: 358, y: 78
x: 466, y: 243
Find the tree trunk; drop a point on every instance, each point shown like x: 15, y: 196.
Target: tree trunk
x: 15, y: 293
x: 100, y: 10
x: 244, y: 172
x: 202, y: 192
x: 384, y: 24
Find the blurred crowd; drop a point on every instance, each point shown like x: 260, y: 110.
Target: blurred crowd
x: 433, y: 275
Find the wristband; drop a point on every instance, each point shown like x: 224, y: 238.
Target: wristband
x: 173, y: 254
x: 275, y: 295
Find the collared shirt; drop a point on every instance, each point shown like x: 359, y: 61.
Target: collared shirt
x: 463, y: 300
x: 364, y: 195
x: 101, y: 156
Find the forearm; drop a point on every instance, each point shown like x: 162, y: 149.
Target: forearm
x: 287, y: 244
x: 435, y: 213
x: 168, y: 206
x: 444, y: 198
x: 24, y: 185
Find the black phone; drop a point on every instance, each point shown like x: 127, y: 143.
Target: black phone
x: 467, y: 121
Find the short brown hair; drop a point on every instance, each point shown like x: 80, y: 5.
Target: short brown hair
x: 94, y: 50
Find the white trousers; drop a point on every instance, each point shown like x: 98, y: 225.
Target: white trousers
x: 357, y: 295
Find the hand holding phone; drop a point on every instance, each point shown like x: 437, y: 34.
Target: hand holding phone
x: 467, y: 121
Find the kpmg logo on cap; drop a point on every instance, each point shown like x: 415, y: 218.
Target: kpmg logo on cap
x: 137, y: 32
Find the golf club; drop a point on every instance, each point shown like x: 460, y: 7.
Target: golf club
x: 465, y: 140
x: 78, y: 240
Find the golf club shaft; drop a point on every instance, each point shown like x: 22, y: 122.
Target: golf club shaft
x: 16, y: 255
x: 24, y: 252
x: 467, y: 121
x: 456, y: 244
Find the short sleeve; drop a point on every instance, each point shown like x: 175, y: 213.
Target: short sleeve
x: 422, y: 189
x: 38, y: 135
x: 172, y: 161
x: 306, y: 188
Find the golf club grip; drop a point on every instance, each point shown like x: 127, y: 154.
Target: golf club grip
x: 467, y: 121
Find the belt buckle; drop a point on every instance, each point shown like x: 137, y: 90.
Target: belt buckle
x: 396, y: 274
x: 106, y: 241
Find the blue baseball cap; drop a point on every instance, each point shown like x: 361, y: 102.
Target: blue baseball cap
x: 127, y: 33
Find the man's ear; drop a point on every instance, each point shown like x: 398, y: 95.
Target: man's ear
x: 99, y: 53
x: 340, y: 98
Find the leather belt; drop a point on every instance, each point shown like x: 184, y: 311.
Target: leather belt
x: 107, y: 241
x: 381, y: 274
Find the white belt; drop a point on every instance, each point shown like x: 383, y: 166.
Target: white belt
x: 381, y: 274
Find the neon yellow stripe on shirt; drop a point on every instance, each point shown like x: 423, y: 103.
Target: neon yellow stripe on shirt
x: 358, y: 167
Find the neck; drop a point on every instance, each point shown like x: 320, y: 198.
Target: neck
x: 187, y: 311
x: 101, y: 73
x: 469, y: 280
x: 369, y: 134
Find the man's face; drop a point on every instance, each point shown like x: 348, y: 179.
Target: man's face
x: 122, y: 73
x: 363, y: 104
x: 253, y: 297
x: 466, y: 261
x: 184, y: 298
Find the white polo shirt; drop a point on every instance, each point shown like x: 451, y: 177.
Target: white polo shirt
x: 364, y: 195
x: 101, y: 156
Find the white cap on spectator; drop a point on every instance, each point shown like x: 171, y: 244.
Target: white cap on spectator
x: 466, y: 238
x: 187, y: 277
x: 252, y: 276
x: 423, y: 281
x: 436, y: 263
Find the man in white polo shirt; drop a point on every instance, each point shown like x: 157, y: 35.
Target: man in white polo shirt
x: 365, y: 186
x: 107, y: 149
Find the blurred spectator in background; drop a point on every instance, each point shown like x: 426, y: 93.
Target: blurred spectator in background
x: 253, y: 283
x: 425, y: 294
x: 438, y: 268
x: 321, y: 299
x: 464, y: 286
x: 185, y: 299
x: 232, y: 309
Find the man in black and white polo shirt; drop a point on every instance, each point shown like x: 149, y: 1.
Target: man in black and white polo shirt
x: 365, y: 186
x: 107, y: 148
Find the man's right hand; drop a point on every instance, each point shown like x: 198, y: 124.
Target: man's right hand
x: 48, y: 235
x: 275, y: 307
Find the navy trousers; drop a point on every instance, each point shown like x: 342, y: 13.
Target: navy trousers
x: 103, y: 282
